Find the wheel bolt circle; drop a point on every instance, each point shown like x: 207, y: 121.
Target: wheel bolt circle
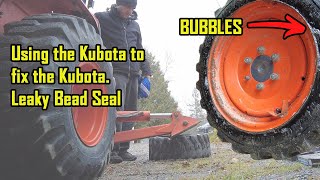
x: 248, y: 60
x: 275, y: 57
x: 274, y: 76
x: 260, y: 86
x: 261, y: 50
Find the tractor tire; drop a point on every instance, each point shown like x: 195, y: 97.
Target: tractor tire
x: 251, y: 117
x: 221, y: 137
x: 179, y: 147
x: 47, y: 144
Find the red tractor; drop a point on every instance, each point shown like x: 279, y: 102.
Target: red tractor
x: 265, y: 117
x: 61, y: 142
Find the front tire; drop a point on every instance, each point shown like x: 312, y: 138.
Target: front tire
x: 52, y: 144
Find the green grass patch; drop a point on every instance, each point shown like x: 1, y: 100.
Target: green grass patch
x: 214, y: 137
x: 247, y: 170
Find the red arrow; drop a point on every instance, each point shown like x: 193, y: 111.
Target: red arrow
x: 291, y: 25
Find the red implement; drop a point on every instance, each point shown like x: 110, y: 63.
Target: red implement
x: 178, y: 125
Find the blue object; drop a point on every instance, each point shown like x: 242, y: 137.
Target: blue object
x: 144, y: 87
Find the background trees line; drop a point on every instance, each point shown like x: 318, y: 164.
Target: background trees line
x: 160, y: 99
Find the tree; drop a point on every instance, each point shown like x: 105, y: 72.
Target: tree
x: 195, y: 107
x: 160, y: 99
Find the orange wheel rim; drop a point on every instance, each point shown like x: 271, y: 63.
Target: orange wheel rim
x: 90, y: 122
x: 258, y: 81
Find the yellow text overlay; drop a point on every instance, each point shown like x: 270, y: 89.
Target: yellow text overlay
x: 210, y: 26
x: 65, y: 78
x: 30, y: 100
x: 98, y: 99
x: 29, y: 55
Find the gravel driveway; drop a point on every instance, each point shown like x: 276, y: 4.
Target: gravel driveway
x: 223, y: 164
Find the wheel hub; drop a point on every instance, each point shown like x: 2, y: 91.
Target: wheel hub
x: 90, y: 122
x: 262, y: 68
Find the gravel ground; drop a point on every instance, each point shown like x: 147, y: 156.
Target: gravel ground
x: 223, y: 164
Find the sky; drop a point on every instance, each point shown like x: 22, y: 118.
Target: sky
x: 178, y: 55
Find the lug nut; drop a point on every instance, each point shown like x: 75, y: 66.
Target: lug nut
x: 247, y: 78
x: 274, y: 76
x: 275, y: 57
x: 248, y: 60
x: 260, y: 86
x: 261, y: 50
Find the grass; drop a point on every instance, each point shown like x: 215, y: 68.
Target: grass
x: 191, y: 165
x: 223, y: 166
x: 214, y: 137
x: 245, y: 168
x: 252, y: 169
x: 229, y: 165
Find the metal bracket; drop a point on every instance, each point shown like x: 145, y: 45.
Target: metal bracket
x: 178, y: 125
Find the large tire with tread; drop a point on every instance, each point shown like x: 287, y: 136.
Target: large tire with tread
x: 179, y: 147
x: 302, y: 132
x: 39, y: 144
